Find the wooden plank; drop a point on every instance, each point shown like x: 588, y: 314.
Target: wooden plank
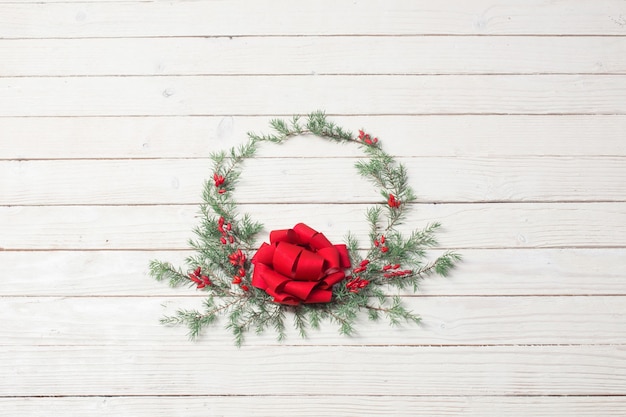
x: 314, y: 55
x: 169, y: 137
x: 445, y: 321
x: 313, y: 406
x: 482, y: 272
x: 218, y: 370
x: 337, y: 94
x: 298, y: 180
x: 522, y: 335
x: 476, y: 226
x: 240, y: 18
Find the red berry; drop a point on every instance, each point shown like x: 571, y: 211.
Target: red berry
x: 218, y: 179
x: 393, y: 202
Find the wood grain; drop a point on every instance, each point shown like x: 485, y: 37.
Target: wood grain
x: 313, y: 55
x: 267, y: 95
x: 225, y: 370
x: 133, y: 321
x: 476, y: 226
x: 315, y: 405
x: 241, y: 18
x: 509, y: 272
x: 297, y: 180
x: 510, y: 115
x: 433, y: 135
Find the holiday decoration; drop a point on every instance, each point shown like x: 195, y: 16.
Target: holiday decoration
x: 299, y: 266
x: 300, y: 275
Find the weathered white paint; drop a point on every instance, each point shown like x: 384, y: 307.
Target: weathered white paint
x: 477, y: 320
x: 316, y: 405
x: 340, y: 94
x: 109, y: 110
x: 203, y: 369
x: 326, y: 17
x: 480, y: 225
x: 314, y: 180
x: 431, y: 135
x: 508, y: 272
x: 315, y: 55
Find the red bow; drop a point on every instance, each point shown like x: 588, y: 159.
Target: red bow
x: 299, y: 265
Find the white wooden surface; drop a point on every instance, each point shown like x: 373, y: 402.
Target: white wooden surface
x: 510, y: 115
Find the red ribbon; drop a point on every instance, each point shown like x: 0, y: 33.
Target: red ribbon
x: 299, y: 265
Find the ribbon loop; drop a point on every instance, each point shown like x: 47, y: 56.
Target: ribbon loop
x: 286, y: 235
x: 285, y: 258
x: 299, y: 265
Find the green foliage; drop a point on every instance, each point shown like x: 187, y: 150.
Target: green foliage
x: 165, y: 271
x: 391, y: 259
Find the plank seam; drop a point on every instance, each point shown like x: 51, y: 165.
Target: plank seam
x: 330, y: 35
x: 312, y: 396
x: 550, y: 114
x: 318, y: 74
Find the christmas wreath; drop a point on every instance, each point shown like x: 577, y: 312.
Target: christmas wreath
x: 298, y: 272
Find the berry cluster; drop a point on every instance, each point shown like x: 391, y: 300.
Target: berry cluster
x: 218, y: 180
x: 238, y: 260
x: 392, y: 271
x: 197, y: 277
x: 380, y: 243
x: 225, y: 230
x: 367, y: 139
x: 357, y: 283
x: 393, y: 201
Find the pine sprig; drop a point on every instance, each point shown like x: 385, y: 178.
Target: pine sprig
x: 165, y: 271
x: 224, y: 244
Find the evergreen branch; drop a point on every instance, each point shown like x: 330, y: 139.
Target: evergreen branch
x: 166, y: 271
x: 300, y: 322
x: 225, y: 242
x: 345, y: 326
